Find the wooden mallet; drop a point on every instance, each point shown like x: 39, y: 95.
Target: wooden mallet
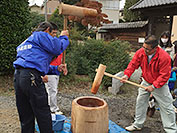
x: 99, y: 75
x: 71, y: 10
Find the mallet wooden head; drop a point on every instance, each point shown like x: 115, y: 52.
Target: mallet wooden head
x: 98, y: 78
x: 71, y: 10
x: 99, y: 75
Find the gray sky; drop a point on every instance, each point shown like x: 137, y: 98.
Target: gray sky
x: 39, y: 2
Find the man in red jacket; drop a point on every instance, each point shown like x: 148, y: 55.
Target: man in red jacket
x: 156, y: 68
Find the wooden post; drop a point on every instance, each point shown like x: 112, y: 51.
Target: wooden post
x: 171, y: 24
x: 150, y: 25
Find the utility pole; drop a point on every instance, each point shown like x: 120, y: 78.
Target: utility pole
x: 45, y: 10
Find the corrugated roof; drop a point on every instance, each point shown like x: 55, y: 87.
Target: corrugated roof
x: 137, y: 24
x: 151, y: 3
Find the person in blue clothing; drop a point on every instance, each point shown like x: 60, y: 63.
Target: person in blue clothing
x: 175, y: 101
x: 32, y: 62
x: 175, y: 94
x: 172, y: 79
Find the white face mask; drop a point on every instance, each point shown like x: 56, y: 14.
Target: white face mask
x: 164, y: 40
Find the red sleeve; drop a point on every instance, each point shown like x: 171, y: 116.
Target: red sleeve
x: 164, y: 72
x: 134, y: 64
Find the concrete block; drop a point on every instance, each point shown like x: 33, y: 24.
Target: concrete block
x: 116, y: 84
x: 136, y: 75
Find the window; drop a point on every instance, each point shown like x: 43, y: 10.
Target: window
x: 50, y: 10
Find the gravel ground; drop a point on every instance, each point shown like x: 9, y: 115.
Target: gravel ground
x: 121, y: 109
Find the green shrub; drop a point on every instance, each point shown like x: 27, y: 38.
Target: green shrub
x: 36, y: 19
x: 75, y: 34
x: 14, y: 28
x: 116, y: 58
x: 84, y: 58
x: 57, y: 19
x: 71, y: 58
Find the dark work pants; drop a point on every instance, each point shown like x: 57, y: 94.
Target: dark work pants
x: 32, y: 101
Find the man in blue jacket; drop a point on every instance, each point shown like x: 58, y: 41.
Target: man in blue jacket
x: 33, y: 61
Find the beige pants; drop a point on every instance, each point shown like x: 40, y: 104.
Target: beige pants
x: 164, y: 100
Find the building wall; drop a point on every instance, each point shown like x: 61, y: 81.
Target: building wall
x: 174, y: 29
x: 131, y: 35
x: 35, y: 9
x: 111, y: 8
x: 52, y: 5
x: 113, y: 15
x: 159, y: 28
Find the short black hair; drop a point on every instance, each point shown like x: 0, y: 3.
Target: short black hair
x: 43, y: 26
x: 55, y: 27
x: 151, y: 40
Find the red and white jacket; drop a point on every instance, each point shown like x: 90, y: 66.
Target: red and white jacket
x: 156, y: 72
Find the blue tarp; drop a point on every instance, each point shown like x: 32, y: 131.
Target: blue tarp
x: 113, y: 127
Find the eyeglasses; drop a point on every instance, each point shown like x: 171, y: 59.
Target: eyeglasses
x: 147, y: 49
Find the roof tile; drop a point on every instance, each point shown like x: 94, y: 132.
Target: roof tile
x: 151, y: 3
x: 138, y: 24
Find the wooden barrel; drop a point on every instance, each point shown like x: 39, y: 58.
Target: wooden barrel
x: 89, y: 115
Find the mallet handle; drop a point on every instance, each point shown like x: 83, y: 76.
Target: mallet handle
x: 64, y: 28
x: 127, y: 81
x: 65, y: 23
